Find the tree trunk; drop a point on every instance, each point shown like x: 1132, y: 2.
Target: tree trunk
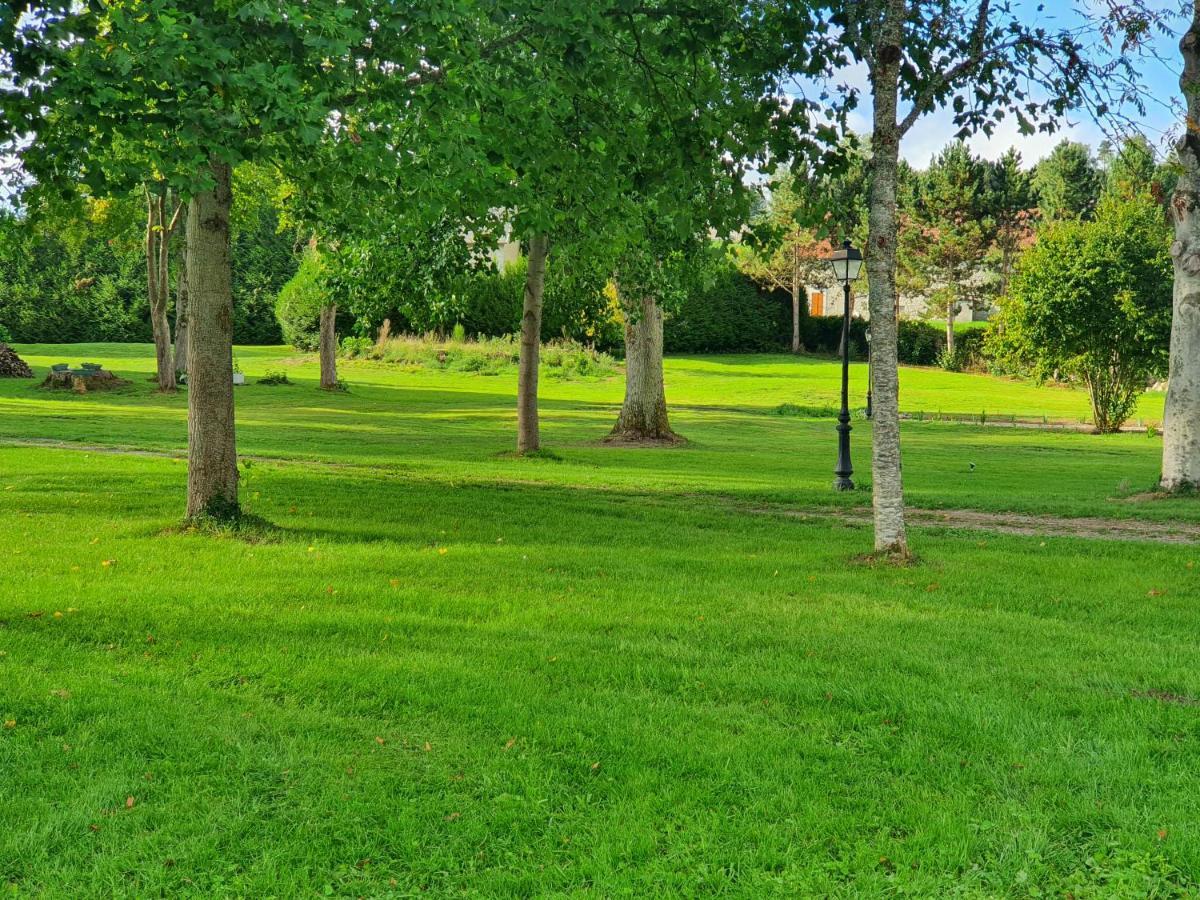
x: 181, y: 314
x: 644, y: 413
x: 797, y: 346
x: 158, y: 242
x: 328, y: 347
x: 1181, y: 421
x: 887, y: 486
x: 528, y: 438
x: 212, y: 449
x: 950, y: 329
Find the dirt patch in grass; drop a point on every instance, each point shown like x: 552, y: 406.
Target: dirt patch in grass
x: 1166, y: 697
x: 1022, y: 524
x: 624, y: 441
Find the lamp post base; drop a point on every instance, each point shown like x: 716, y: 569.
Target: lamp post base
x: 844, y: 467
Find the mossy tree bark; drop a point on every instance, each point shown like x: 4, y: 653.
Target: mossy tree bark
x: 1181, y: 423
x: 644, y: 413
x: 328, y: 347
x: 212, y: 449
x: 528, y: 436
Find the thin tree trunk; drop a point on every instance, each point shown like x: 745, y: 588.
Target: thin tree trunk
x: 181, y: 314
x: 950, y: 329
x: 644, y: 413
x: 887, y: 481
x: 1181, y: 422
x: 528, y: 438
x: 158, y: 237
x: 797, y: 346
x: 328, y: 347
x: 212, y: 448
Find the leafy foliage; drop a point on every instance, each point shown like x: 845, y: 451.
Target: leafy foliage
x: 1092, y: 301
x: 298, y: 308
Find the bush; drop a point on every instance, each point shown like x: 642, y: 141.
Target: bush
x: 275, y: 377
x: 5, y: 335
x: 725, y: 315
x: 823, y: 334
x: 1092, y: 300
x: 298, y: 308
x: 574, y: 304
x: 920, y: 343
x: 561, y: 359
x: 354, y: 347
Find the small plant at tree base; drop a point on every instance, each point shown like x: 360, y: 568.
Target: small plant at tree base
x: 459, y: 334
x: 237, y: 366
x: 275, y: 376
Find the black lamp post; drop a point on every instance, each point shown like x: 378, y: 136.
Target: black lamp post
x: 846, y: 264
x: 868, y: 336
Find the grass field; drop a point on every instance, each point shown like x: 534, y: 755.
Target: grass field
x: 611, y: 672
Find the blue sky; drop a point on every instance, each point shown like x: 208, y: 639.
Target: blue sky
x: 1161, y: 79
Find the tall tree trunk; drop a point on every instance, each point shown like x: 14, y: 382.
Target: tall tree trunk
x: 887, y: 482
x: 328, y: 347
x: 528, y: 438
x: 644, y: 413
x: 181, y: 314
x: 797, y: 346
x: 158, y: 242
x: 212, y: 448
x: 1181, y: 422
x: 950, y: 328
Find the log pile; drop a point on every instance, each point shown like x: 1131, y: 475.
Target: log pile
x: 11, y: 365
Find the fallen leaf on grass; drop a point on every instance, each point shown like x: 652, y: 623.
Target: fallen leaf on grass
x: 1162, y: 834
x: 379, y: 740
x: 108, y: 563
x: 129, y: 802
x: 1155, y: 592
x: 428, y: 746
x: 453, y: 816
x: 10, y: 723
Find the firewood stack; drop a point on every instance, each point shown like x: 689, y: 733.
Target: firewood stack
x: 11, y: 365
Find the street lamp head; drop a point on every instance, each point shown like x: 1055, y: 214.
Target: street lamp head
x: 868, y: 335
x: 846, y: 263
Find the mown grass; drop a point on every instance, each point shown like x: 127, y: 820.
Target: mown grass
x: 452, y: 672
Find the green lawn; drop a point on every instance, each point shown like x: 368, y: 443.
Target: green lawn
x: 622, y: 672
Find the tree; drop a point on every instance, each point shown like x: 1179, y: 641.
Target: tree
x: 953, y: 232
x: 1068, y: 182
x: 162, y: 217
x: 1130, y: 167
x: 1181, y: 423
x: 982, y: 60
x: 647, y: 121
x: 1092, y: 300
x: 791, y: 258
x: 186, y: 90
x: 1009, y: 202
